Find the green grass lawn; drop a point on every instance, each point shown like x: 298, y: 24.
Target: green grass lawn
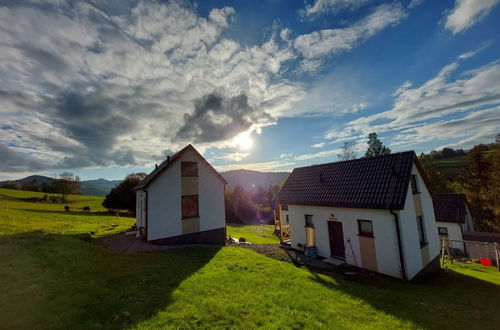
x: 256, y: 234
x: 52, y: 279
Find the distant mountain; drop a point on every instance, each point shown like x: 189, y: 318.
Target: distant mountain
x: 250, y: 180
x: 99, y: 187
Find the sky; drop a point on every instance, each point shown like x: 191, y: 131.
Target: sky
x: 107, y: 88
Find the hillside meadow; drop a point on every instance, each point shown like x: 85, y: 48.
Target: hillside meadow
x: 54, y: 278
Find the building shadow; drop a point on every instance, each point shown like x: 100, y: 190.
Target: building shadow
x: 445, y: 299
x: 66, y: 281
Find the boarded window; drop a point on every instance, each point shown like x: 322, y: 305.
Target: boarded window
x: 189, y: 168
x: 421, y: 231
x: 365, y: 228
x: 414, y: 186
x: 443, y: 231
x: 190, y: 206
x: 309, y: 220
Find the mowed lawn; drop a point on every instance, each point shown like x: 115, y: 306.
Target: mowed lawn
x: 256, y: 234
x: 53, y: 279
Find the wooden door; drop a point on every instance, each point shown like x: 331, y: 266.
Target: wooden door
x: 336, y: 239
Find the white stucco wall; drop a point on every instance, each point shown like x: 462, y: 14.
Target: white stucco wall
x: 210, y: 195
x: 454, y: 233
x: 164, y: 200
x: 383, y: 230
x: 409, y: 230
x: 468, y: 225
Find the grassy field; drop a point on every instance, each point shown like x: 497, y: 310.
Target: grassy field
x: 52, y: 279
x: 256, y: 234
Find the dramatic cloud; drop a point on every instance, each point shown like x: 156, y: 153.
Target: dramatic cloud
x: 320, y: 7
x: 216, y: 118
x: 87, y: 85
x: 421, y: 110
x: 316, y: 45
x: 467, y: 13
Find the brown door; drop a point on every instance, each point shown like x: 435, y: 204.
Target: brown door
x: 336, y: 239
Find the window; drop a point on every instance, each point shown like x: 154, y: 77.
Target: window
x: 189, y: 169
x: 414, y: 186
x: 421, y: 231
x: 309, y: 220
x: 287, y: 219
x: 365, y: 228
x: 443, y: 231
x: 190, y: 206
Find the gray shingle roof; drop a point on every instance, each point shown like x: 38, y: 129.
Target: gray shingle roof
x: 374, y: 182
x: 450, y: 208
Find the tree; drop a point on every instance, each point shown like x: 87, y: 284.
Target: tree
x: 272, y: 195
x: 477, y: 181
x: 375, y: 146
x: 11, y: 185
x: 122, y: 197
x: 66, y: 184
x: 497, y: 138
x: 348, y: 151
x: 33, y: 185
x: 439, y: 183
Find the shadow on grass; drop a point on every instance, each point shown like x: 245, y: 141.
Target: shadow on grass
x: 445, y: 299
x: 81, y: 213
x: 62, y: 281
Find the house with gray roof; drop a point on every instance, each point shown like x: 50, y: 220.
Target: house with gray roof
x: 182, y: 201
x: 453, y: 218
x: 374, y: 213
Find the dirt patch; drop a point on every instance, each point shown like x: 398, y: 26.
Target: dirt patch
x: 122, y: 243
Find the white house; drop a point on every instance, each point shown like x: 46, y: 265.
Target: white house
x: 374, y: 213
x: 453, y: 218
x: 182, y: 201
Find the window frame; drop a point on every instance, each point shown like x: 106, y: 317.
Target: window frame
x: 311, y: 223
x: 363, y: 233
x: 421, y: 230
x: 414, y: 184
x: 197, y: 215
x: 184, y: 170
x: 446, y: 230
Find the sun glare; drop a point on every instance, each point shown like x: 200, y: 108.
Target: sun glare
x: 243, y: 141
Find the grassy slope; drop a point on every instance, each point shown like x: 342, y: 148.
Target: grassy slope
x: 52, y: 279
x: 256, y: 234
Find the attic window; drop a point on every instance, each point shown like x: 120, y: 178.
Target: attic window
x: 189, y: 169
x: 443, y: 231
x: 414, y: 186
x: 190, y: 207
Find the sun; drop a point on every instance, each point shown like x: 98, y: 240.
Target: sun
x: 243, y: 141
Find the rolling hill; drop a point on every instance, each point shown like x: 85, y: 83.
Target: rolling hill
x: 250, y: 180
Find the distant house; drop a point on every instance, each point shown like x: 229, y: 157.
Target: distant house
x: 374, y: 213
x: 182, y: 201
x: 453, y: 218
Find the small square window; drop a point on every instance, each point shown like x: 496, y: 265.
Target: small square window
x: 443, y: 231
x: 365, y: 228
x: 309, y: 220
x: 189, y: 169
x: 190, y: 207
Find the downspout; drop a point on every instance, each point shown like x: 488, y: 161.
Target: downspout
x: 400, y: 248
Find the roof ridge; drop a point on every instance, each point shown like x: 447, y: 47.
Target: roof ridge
x: 358, y: 159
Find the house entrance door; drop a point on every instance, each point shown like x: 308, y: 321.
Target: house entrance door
x: 336, y: 235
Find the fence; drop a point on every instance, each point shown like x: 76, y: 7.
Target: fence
x: 471, y: 249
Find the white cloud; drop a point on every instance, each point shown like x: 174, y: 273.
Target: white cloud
x: 273, y: 166
x: 321, y: 154
x: 467, y: 13
x: 235, y: 157
x: 316, y: 45
x: 320, y: 7
x: 319, y: 145
x: 416, y: 109
x: 86, y: 88
x: 415, y: 3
